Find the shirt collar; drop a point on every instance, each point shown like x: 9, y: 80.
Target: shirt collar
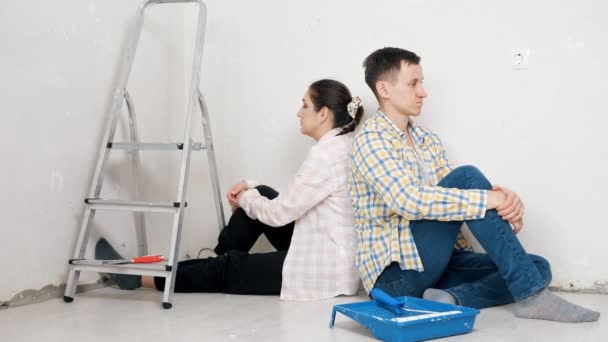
x: 389, y: 124
x: 331, y: 133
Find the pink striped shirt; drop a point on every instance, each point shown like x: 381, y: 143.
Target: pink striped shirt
x: 320, y: 262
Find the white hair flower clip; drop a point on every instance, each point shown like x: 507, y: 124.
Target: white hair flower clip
x: 353, y: 106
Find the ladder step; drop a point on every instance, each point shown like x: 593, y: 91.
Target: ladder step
x: 137, y: 206
x: 157, y: 270
x: 196, y: 146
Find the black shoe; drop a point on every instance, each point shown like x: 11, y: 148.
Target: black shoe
x: 104, y: 251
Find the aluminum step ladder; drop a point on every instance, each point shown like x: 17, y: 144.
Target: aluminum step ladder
x: 93, y: 202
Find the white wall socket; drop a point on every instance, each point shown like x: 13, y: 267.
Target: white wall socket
x: 520, y: 58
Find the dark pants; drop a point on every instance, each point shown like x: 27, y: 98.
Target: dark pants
x: 504, y: 274
x: 234, y: 270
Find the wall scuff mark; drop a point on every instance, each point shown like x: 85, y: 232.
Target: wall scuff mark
x: 597, y: 288
x: 50, y: 292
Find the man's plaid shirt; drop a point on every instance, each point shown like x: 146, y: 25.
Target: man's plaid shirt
x: 388, y: 192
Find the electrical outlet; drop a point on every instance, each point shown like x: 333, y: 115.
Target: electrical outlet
x: 520, y: 59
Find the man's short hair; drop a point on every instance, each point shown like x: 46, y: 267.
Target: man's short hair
x: 384, y: 63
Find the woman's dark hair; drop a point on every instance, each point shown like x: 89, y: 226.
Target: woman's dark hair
x: 335, y: 96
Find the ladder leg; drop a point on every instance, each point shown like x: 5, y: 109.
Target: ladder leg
x: 83, y: 238
x: 178, y: 219
x: 94, y: 192
x: 89, y: 214
x: 70, y: 289
x: 185, y: 165
x: 140, y: 223
x: 215, y: 183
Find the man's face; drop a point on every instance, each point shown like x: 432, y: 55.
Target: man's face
x: 404, y: 91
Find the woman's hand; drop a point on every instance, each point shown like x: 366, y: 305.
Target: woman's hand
x: 233, y: 193
x: 512, y: 209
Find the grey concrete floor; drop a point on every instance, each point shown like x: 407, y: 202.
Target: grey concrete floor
x: 115, y: 315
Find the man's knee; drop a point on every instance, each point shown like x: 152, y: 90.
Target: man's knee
x: 267, y: 191
x: 466, y: 177
x: 468, y: 171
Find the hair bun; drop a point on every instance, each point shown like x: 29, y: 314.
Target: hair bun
x: 353, y: 106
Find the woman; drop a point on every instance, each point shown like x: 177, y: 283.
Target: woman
x: 311, y: 225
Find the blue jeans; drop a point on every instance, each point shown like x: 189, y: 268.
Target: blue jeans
x: 504, y: 274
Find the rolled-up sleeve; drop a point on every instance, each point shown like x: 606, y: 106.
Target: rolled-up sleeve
x: 311, y: 185
x: 378, y: 162
x: 251, y: 183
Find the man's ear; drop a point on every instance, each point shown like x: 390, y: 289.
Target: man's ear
x: 382, y: 89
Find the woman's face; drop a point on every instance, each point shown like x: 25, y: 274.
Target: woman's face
x: 309, y: 118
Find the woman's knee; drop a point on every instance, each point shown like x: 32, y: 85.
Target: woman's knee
x: 543, y: 266
x: 267, y: 191
x: 466, y: 177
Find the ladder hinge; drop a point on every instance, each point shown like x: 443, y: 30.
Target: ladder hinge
x: 168, y: 268
x: 109, y: 145
x: 177, y: 204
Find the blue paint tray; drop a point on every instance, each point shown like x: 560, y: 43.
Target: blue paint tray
x: 405, y: 319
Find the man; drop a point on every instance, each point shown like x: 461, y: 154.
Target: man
x: 410, y: 204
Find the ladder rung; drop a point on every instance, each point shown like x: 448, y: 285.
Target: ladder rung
x: 138, y: 206
x: 197, y: 146
x: 158, y: 270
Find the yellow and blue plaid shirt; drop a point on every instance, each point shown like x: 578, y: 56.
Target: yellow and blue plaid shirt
x: 388, y: 191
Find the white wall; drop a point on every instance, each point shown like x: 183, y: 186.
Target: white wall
x: 536, y: 130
